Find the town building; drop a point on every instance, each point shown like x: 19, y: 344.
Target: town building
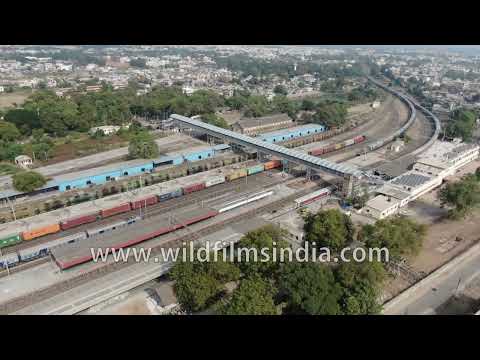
x: 254, y: 126
x: 23, y: 161
x: 107, y: 130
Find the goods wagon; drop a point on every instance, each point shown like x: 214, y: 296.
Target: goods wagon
x: 67, y: 259
x: 170, y: 195
x: 237, y: 174
x: 214, y: 180
x: 9, y: 260
x: 316, y: 152
x: 194, y: 187
x: 349, y: 142
x: 10, y: 240
x: 359, y: 139
x: 115, y: 210
x: 338, y: 146
x: 77, y: 221
x: 255, y: 169
x: 147, y: 201
x: 273, y: 164
x: 44, y: 230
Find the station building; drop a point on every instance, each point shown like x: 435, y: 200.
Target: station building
x: 292, y: 133
x: 255, y: 126
x: 441, y: 160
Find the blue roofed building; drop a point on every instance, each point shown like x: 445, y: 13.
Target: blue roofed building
x: 292, y: 133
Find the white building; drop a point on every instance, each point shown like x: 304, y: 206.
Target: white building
x: 23, y: 161
x: 2, y: 89
x: 107, y: 129
x: 376, y: 104
x: 444, y: 158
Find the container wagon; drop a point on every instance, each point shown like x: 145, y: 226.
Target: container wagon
x: 272, y: 164
x: 9, y: 260
x: 147, y: 201
x: 79, y: 220
x: 237, y: 174
x: 44, y: 230
x: 194, y: 187
x: 255, y: 169
x: 119, y: 209
x: 10, y: 240
x: 214, y: 180
x: 43, y: 249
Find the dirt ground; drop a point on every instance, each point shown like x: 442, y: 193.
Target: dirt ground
x: 9, y: 99
x: 445, y: 238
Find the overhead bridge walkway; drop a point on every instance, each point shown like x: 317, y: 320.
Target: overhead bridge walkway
x: 297, y: 157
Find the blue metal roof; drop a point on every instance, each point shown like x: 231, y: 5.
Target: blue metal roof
x: 280, y: 151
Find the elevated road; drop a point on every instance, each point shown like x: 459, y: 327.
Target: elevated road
x: 293, y: 156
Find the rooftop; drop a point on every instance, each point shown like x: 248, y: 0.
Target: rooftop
x: 265, y: 120
x: 411, y: 179
x: 382, y: 202
x: 290, y: 130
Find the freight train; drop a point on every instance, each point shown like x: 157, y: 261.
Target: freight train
x: 79, y: 238
x: 337, y: 146
x: 47, y: 225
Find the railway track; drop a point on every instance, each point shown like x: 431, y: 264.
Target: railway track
x: 52, y: 290
x: 185, y: 200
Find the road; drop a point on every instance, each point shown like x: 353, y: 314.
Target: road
x: 430, y: 293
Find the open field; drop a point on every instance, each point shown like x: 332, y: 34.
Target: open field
x: 10, y: 99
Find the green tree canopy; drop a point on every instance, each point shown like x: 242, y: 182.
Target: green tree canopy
x: 8, y: 132
x: 143, y: 146
x: 361, y: 287
x: 310, y: 288
x: 400, y: 235
x: 462, y: 124
x: 25, y: 120
x: 28, y: 181
x: 216, y: 120
x: 280, y: 90
x: 254, y: 296
x: 267, y: 238
x: 462, y: 196
x: 330, y: 228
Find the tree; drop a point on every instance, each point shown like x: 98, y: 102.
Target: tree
x: 330, y: 228
x: 28, y: 181
x: 199, y: 284
x: 361, y: 287
x: 143, y: 146
x: 25, y: 120
x: 216, y: 120
x: 267, y: 237
x: 400, y: 235
x: 331, y: 114
x: 8, y: 132
x: 462, y: 124
x: 254, y: 296
x: 310, y: 288
x: 307, y: 105
x: 280, y: 90
x: 462, y: 196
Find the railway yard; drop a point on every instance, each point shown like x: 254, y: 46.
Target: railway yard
x: 48, y: 268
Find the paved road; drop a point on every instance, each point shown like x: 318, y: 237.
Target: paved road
x: 430, y: 294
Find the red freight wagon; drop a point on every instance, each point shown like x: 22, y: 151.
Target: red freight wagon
x: 116, y: 210
x: 272, y: 164
x: 316, y: 152
x: 77, y: 221
x: 359, y: 139
x: 150, y: 200
x: 195, y: 187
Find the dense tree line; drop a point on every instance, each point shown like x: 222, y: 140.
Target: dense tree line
x: 462, y: 124
x: 298, y: 287
x: 462, y: 196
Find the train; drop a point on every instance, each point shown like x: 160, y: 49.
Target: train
x: 314, y: 196
x: 48, y: 223
x: 41, y: 250
x: 334, y: 147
